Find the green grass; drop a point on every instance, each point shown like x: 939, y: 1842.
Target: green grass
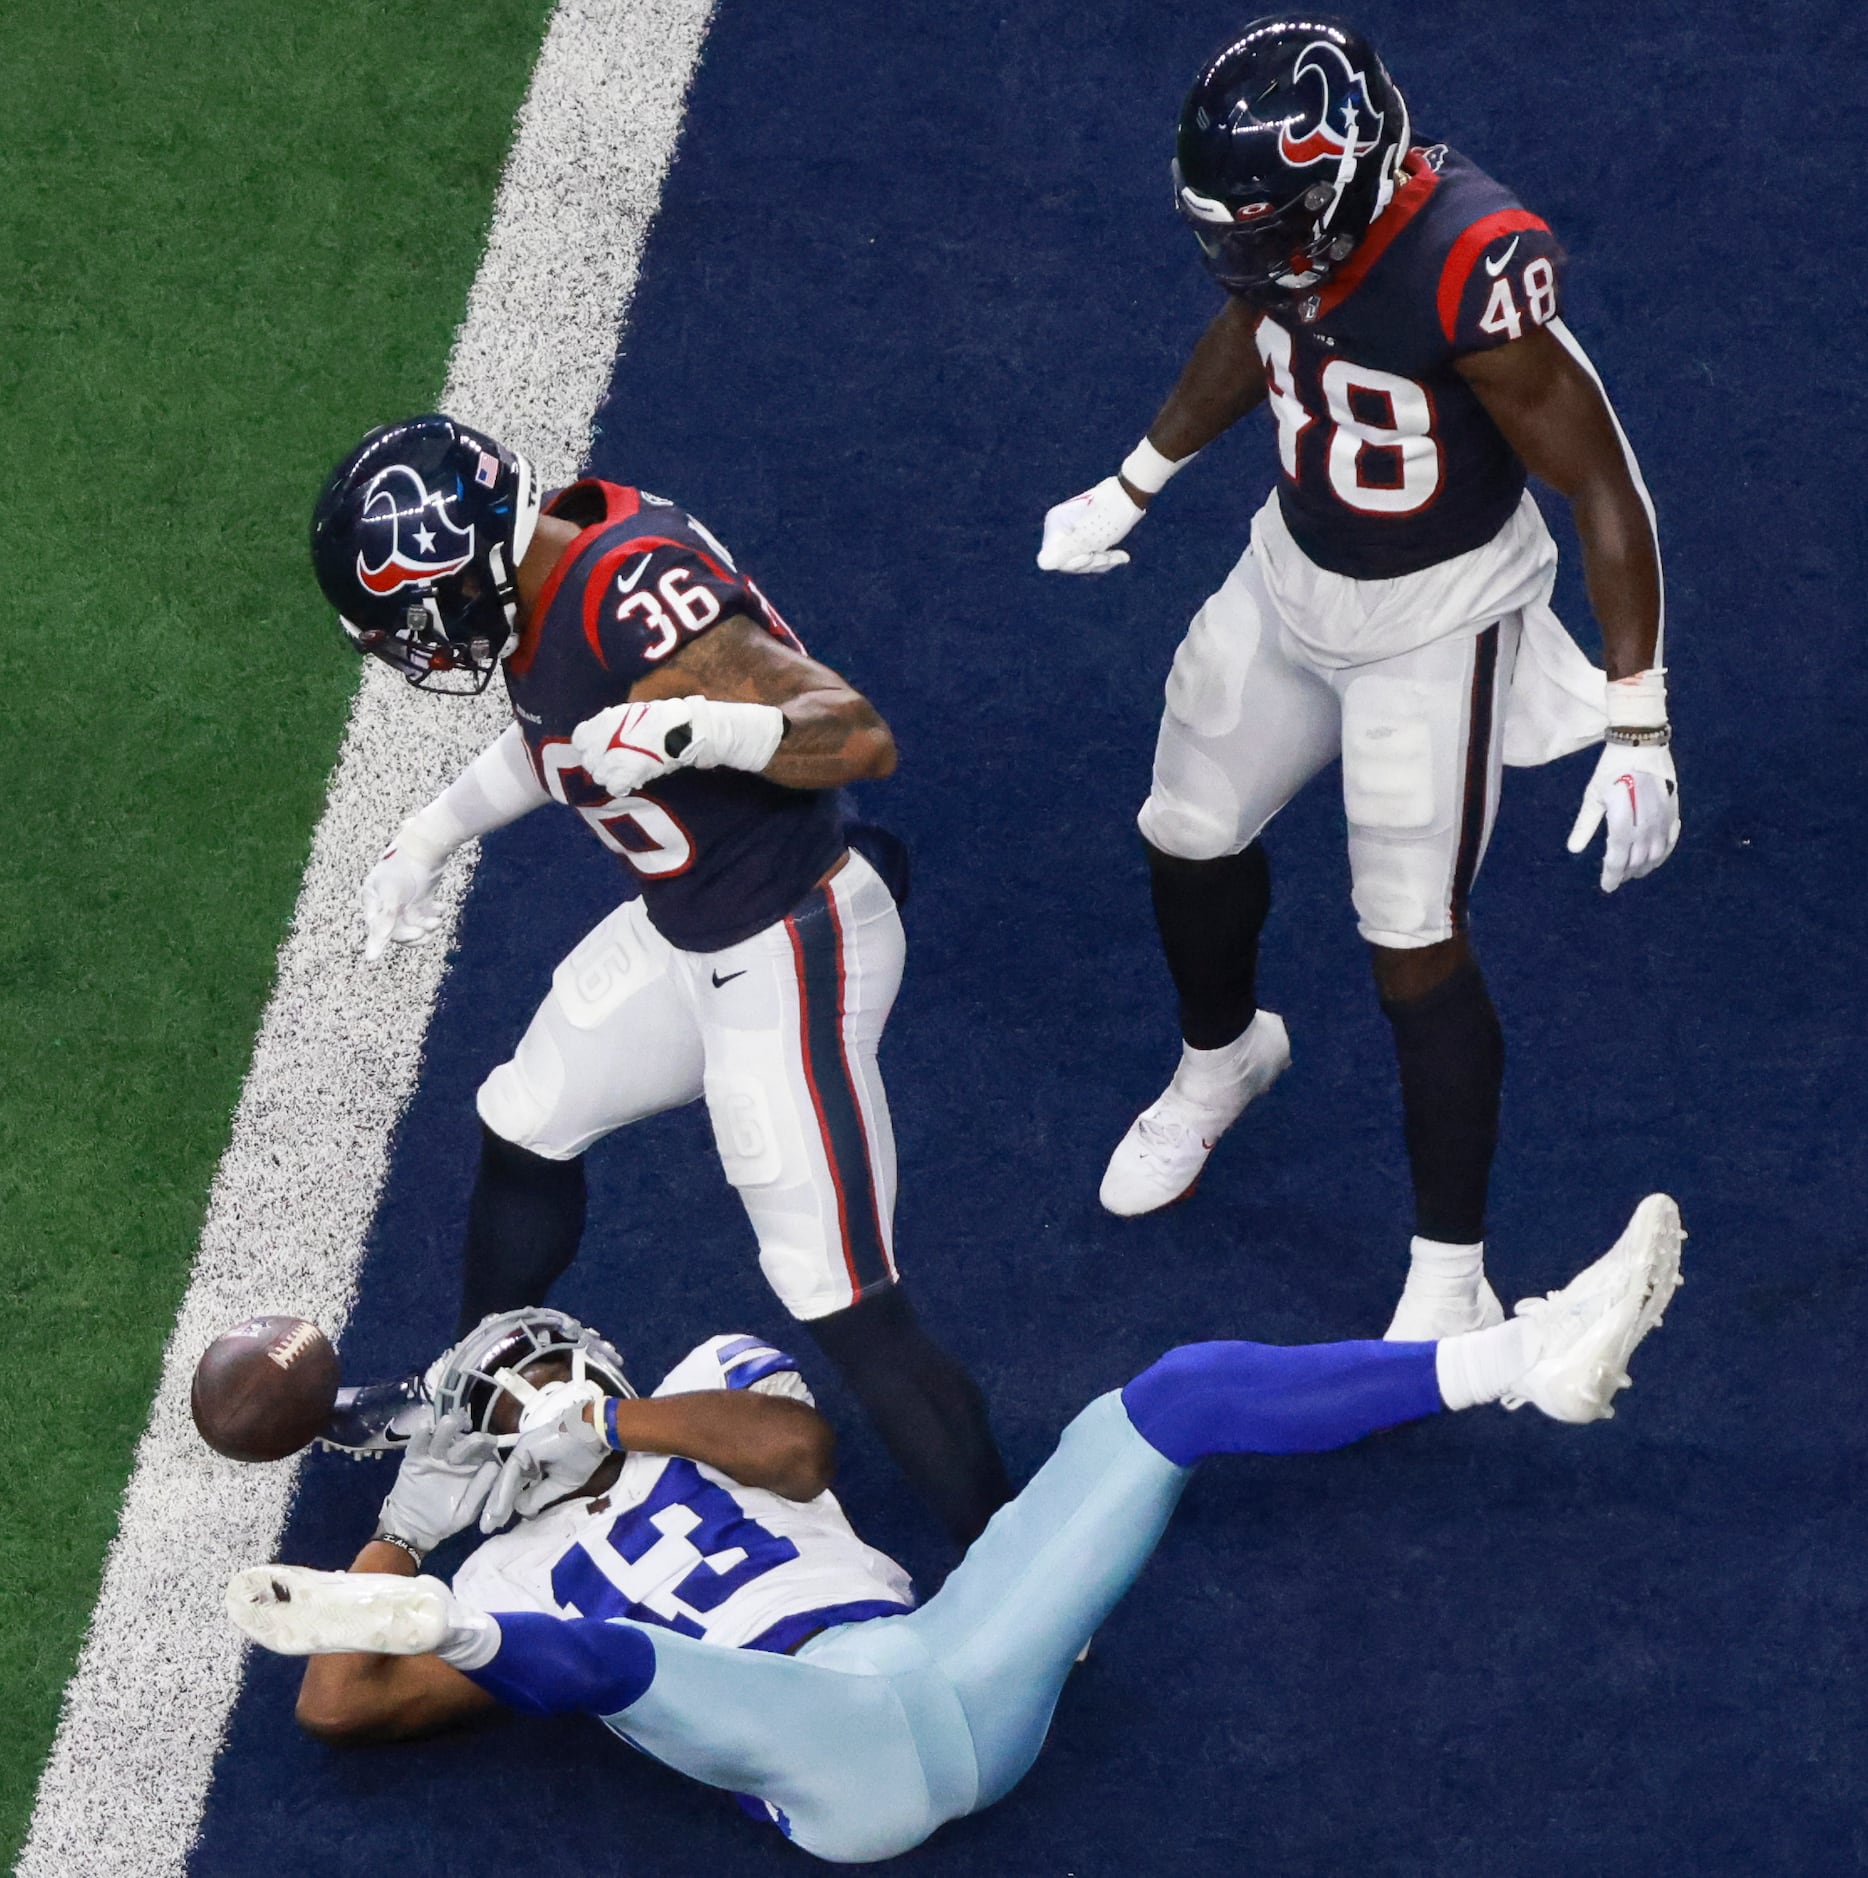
x: 231, y: 237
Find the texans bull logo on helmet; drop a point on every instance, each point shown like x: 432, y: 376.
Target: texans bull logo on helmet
x: 1346, y: 124
x: 400, y: 514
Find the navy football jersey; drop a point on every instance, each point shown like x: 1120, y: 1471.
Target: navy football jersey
x: 1388, y: 462
x: 721, y: 854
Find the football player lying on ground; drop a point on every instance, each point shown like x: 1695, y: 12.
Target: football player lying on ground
x: 652, y: 1533
x: 657, y: 692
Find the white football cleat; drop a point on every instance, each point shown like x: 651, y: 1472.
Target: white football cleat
x: 1160, y: 1158
x: 300, y: 1612
x: 1421, y: 1317
x: 1590, y: 1328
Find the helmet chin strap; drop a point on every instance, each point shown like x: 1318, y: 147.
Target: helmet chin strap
x: 525, y: 512
x: 1391, y: 170
x: 524, y: 507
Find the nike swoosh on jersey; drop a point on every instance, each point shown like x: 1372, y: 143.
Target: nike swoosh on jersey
x: 1495, y: 268
x: 642, y: 565
x: 718, y: 981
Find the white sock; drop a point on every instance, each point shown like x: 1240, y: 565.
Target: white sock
x: 1207, y: 1075
x: 1480, y: 1365
x: 472, y: 1640
x: 1438, y: 1270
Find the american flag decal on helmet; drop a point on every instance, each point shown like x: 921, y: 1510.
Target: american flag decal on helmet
x: 488, y: 471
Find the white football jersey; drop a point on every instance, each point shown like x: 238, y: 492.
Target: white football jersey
x: 679, y: 1544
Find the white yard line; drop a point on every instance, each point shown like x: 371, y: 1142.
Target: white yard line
x: 340, y: 1045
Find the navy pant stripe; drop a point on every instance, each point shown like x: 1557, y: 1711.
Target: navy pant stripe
x: 1478, y: 772
x: 817, y: 946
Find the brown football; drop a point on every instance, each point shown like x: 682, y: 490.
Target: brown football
x: 265, y: 1389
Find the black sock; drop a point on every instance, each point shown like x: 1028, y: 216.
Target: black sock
x: 1452, y: 1057
x: 523, y: 1224
x: 927, y: 1409
x: 1209, y: 914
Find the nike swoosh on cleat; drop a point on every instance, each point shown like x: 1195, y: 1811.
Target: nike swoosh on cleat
x: 718, y: 981
x: 1495, y: 268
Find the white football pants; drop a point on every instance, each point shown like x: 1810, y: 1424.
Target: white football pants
x: 780, y: 1035
x: 1251, y: 718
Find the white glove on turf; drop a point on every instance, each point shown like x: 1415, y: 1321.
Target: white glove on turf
x: 1634, y: 790
x: 556, y: 1453
x: 631, y: 744
x: 1080, y: 535
x: 398, y: 895
x: 446, y: 1474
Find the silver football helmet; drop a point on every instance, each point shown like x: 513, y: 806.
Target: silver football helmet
x: 491, y: 1361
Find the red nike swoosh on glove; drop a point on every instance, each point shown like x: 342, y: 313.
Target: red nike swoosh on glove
x: 1634, y: 802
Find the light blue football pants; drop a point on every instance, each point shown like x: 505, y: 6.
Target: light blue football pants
x: 874, y: 1733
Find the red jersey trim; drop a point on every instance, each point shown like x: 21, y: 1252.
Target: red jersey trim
x: 619, y: 504
x: 1464, y: 254
x: 1409, y: 200
x: 613, y: 559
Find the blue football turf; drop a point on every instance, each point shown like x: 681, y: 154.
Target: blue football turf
x: 916, y: 277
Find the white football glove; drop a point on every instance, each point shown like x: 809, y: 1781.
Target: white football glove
x: 556, y: 1453
x: 1080, y: 535
x: 631, y: 744
x: 1634, y: 790
x: 446, y: 1474
x: 398, y: 894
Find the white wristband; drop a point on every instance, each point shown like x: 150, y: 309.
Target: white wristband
x: 1146, y: 469
x: 735, y: 736
x: 1638, y: 702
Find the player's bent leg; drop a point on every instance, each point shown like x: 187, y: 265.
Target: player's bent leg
x: 1246, y: 726
x: 927, y: 1409
x: 525, y: 1220
x: 851, y: 1762
x: 1209, y: 914
x: 612, y: 1042
x: 1450, y: 1051
x: 1011, y: 1620
x: 1423, y: 737
x: 792, y: 1023
x: 1258, y: 1398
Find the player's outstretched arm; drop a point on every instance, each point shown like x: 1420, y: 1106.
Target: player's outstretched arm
x: 1543, y: 395
x: 1224, y: 378
x: 398, y: 894
x: 355, y: 1699
x: 735, y: 697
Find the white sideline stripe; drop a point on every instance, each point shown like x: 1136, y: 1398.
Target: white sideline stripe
x: 340, y: 1044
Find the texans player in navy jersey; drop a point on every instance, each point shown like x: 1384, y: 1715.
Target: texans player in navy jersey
x: 1399, y: 312
x: 680, y: 1568
x: 658, y: 695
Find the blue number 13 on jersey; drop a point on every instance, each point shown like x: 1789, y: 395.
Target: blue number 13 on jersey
x: 671, y: 1560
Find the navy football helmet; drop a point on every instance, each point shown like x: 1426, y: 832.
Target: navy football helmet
x: 1290, y: 145
x: 417, y: 539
